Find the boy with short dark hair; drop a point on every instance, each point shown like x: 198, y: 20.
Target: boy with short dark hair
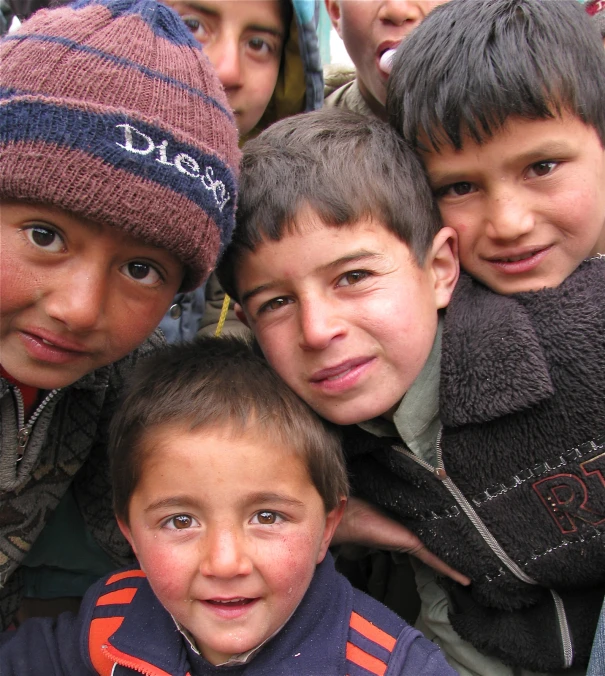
x: 507, y: 117
x: 228, y: 488
x: 118, y: 184
x: 352, y: 325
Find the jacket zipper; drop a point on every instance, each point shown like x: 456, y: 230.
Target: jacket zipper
x: 440, y: 473
x: 24, y: 433
x: 563, y: 629
x: 136, y: 665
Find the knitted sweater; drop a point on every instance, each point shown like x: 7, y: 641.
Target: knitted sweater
x: 67, y: 442
x: 517, y: 501
x: 335, y: 630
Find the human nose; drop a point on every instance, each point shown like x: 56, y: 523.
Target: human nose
x: 224, y: 54
x: 320, y: 324
x: 224, y: 553
x: 79, y: 298
x: 509, y: 217
x: 399, y: 12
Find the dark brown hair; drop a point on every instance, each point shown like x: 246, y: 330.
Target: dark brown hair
x: 345, y: 167
x: 219, y: 381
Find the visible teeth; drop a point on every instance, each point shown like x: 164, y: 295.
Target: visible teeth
x: 514, y: 259
x: 47, y: 342
x: 229, y: 601
x: 386, y: 61
x: 340, y: 375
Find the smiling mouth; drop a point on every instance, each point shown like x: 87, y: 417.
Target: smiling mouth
x: 230, y: 602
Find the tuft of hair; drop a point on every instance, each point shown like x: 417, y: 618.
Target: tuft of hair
x: 345, y: 167
x: 218, y: 382
x: 472, y: 64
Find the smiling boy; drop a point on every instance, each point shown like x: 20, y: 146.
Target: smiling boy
x: 110, y: 203
x: 229, y: 489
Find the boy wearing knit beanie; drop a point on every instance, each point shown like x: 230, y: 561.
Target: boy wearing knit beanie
x: 118, y: 158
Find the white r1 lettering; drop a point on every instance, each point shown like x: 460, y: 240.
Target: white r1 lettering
x: 128, y: 140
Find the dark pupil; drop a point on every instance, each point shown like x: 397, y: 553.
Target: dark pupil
x: 182, y: 521
x: 138, y: 270
x: 43, y: 237
x: 266, y: 517
x: 192, y: 24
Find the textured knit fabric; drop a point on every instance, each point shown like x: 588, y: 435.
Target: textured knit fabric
x: 111, y: 111
x: 68, y: 444
x: 336, y: 630
x: 523, y: 408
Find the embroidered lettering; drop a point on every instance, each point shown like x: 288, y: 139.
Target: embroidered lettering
x: 128, y: 140
x: 138, y: 143
x: 567, y: 496
x: 217, y: 187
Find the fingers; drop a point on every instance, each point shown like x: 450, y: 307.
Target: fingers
x: 423, y: 554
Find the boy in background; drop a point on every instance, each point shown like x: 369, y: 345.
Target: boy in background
x: 371, y: 31
x: 229, y: 489
x: 266, y: 54
x: 347, y: 312
x: 111, y: 201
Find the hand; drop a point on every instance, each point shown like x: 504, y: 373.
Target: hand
x: 363, y: 524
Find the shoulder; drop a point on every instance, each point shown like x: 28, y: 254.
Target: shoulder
x: 380, y: 642
x: 336, y: 77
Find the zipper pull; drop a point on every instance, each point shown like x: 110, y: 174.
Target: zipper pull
x: 22, y: 439
x: 440, y: 473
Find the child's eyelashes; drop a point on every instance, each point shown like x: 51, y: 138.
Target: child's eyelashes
x: 459, y: 189
x: 44, y: 237
x: 180, y: 522
x: 542, y: 168
x: 143, y: 273
x: 353, y: 277
x: 274, y: 304
x: 267, y: 518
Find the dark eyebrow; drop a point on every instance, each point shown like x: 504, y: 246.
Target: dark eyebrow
x: 180, y: 501
x: 259, y: 28
x: 354, y: 256
x: 185, y: 502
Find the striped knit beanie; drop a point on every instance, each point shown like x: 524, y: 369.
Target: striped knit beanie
x: 110, y: 110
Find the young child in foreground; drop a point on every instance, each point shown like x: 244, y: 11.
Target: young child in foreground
x: 112, y: 199
x: 341, y: 266
x: 229, y: 488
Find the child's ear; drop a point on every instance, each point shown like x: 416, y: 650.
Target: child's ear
x: 332, y: 520
x: 240, y: 314
x: 333, y: 9
x: 127, y: 534
x: 442, y: 261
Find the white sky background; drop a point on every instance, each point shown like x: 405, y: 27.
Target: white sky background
x: 338, y: 53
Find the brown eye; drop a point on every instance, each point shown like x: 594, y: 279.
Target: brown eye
x: 45, y: 238
x: 182, y: 521
x: 267, y: 518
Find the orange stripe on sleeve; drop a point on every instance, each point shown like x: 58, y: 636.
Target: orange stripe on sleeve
x: 372, y: 632
x: 125, y: 574
x: 363, y: 659
x: 119, y: 596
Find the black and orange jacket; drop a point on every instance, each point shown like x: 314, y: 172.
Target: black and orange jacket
x: 122, y: 629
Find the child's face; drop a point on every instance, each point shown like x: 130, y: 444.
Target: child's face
x: 344, y: 314
x: 229, y: 529
x: 528, y: 204
x: 76, y: 295
x: 244, y: 42
x: 368, y: 28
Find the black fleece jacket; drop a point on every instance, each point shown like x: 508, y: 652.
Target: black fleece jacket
x: 522, y: 510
